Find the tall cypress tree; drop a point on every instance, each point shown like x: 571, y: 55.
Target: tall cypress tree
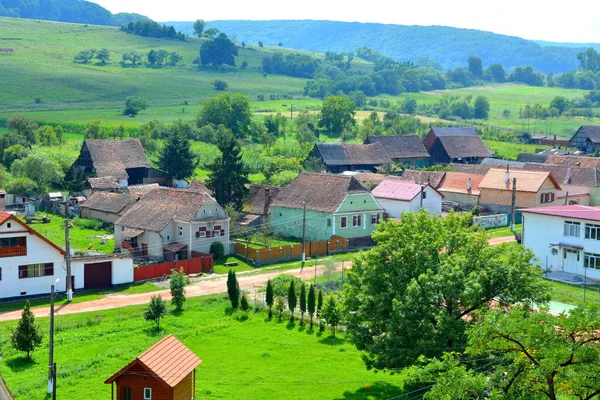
x: 27, y: 336
x: 302, y: 302
x: 319, y: 310
x: 292, y: 299
x: 176, y: 158
x: 311, y: 303
x: 233, y: 289
x: 269, y: 297
x: 228, y: 177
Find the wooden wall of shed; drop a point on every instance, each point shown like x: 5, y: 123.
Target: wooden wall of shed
x: 184, y: 389
x: 138, y: 378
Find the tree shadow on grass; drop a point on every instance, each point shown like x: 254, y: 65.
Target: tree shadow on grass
x: 332, y: 341
x: 21, y: 363
x: 376, y: 391
x: 290, y: 325
x: 176, y: 313
x: 230, y: 310
x: 302, y: 328
x: 310, y: 331
x: 153, y: 331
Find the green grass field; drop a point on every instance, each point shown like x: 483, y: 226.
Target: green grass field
x: 510, y: 151
x: 242, y: 359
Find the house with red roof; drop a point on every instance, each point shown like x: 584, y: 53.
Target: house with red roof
x: 166, y: 371
x: 461, y: 188
x: 564, y: 238
x: 397, y: 196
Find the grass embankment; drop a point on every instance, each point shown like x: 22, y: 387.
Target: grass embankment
x: 504, y: 231
x: 242, y: 359
x: 573, y: 294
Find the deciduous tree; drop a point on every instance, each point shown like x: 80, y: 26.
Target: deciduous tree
x: 475, y: 67
x: 232, y: 110
x: 27, y: 335
x: 217, y: 51
x: 178, y: 281
x: 156, y: 309
x: 481, y: 107
x: 133, y: 105
x: 103, y: 55
x: 337, y: 113
x: 199, y: 27
x: 332, y: 314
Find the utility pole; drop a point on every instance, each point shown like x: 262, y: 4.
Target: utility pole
x: 512, y: 204
x: 421, y: 198
x: 68, y: 261
x: 303, y: 234
x: 51, y: 370
x: 291, y: 112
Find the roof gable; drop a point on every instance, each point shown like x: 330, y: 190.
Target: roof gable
x: 332, y: 153
x: 168, y: 360
x: 322, y: 192
x: 352, y: 154
x: 456, y: 182
x: 592, y: 132
x: 114, y: 157
x: 568, y: 175
x: 401, y: 146
x: 5, y: 217
x: 464, y: 146
x: 257, y: 201
x: 527, y: 181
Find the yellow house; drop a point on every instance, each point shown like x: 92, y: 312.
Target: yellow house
x: 533, y: 189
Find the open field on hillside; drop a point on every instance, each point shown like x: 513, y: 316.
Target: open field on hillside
x: 510, y: 151
x: 265, y: 359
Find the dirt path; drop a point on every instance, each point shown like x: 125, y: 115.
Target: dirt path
x: 212, y: 285
x: 502, y: 239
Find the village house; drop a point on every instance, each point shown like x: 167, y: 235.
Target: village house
x: 461, y: 188
x: 564, y: 238
x: 533, y: 189
x: 107, y: 207
x: 172, y: 224
x: 574, y: 161
x: 455, y: 145
x: 257, y: 205
x: 403, y: 149
x: 434, y: 178
x: 587, y: 138
x: 122, y: 160
x: 104, y: 184
x: 166, y: 371
x: 335, y: 205
x: 30, y: 263
x: 586, y: 179
x: 339, y: 157
x: 397, y: 196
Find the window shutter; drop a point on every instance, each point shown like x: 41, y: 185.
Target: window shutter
x: 359, y: 220
x: 222, y: 232
x: 217, y: 227
x: 208, y: 234
x: 198, y: 234
x: 543, y: 197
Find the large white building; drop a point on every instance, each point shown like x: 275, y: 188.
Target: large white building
x: 564, y: 238
x: 30, y: 264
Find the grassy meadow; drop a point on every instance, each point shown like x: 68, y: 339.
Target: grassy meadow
x: 253, y: 358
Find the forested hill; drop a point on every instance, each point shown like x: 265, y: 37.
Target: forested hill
x: 76, y: 11
x: 449, y: 46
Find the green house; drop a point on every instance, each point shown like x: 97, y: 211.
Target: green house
x: 335, y: 205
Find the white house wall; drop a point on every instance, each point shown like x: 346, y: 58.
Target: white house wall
x: 394, y: 207
x: 542, y: 231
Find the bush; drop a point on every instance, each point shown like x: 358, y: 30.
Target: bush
x: 88, y: 223
x: 244, y: 305
x: 219, y: 84
x: 217, y: 250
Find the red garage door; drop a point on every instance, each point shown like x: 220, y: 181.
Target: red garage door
x: 97, y: 275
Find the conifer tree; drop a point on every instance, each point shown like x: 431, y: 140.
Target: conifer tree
x: 244, y: 305
x: 319, y: 310
x: 233, y: 289
x: 269, y: 297
x: 176, y: 158
x: 302, y: 302
x: 27, y: 336
x: 292, y: 299
x: 311, y: 303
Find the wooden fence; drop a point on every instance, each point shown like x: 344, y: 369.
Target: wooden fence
x: 291, y: 252
x: 192, y: 266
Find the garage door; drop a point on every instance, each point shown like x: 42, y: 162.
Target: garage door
x: 97, y: 275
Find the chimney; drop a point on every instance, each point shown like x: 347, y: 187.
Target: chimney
x: 469, y: 184
x: 268, y: 201
x: 569, y: 175
x: 507, y: 176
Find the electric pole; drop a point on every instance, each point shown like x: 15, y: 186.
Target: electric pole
x: 51, y: 344
x: 303, y: 234
x: 512, y: 204
x: 68, y: 261
x: 291, y: 112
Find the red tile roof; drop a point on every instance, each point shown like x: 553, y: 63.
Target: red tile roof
x: 168, y: 360
x: 576, y: 211
x: 456, y: 182
x: 527, y: 181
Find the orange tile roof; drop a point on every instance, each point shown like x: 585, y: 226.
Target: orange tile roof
x: 456, y: 182
x: 527, y: 181
x: 168, y: 360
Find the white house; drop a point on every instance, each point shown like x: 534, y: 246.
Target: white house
x: 30, y: 263
x: 564, y: 238
x: 172, y: 223
x: 397, y: 196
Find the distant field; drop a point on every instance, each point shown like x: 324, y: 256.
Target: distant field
x: 510, y: 151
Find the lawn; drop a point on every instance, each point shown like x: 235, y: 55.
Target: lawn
x: 81, y: 237
x: 242, y: 359
x: 573, y: 294
x: 510, y: 151
x: 504, y: 231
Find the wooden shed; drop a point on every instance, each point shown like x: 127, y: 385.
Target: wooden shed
x: 166, y: 371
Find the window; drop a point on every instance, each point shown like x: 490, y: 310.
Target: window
x: 13, y: 241
x: 147, y: 394
x: 356, y: 220
x: 328, y: 222
x: 36, y: 270
x: 423, y: 194
x: 9, y: 225
x: 591, y: 260
x: 180, y: 230
x: 343, y: 222
x: 592, y: 231
x: 217, y: 230
x: 0, y: 273
x: 547, y: 197
x: 202, y: 231
x: 572, y: 228
x: 126, y: 395
x: 374, y: 219
x: 567, y: 251
x: 168, y: 237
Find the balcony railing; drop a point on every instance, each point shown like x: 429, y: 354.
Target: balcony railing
x: 13, y: 251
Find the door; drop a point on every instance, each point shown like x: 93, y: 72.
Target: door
x: 570, y: 260
x: 97, y: 275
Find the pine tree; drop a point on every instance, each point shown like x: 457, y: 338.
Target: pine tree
x: 27, y: 336
x: 233, y: 289
x: 176, y: 158
x: 178, y: 279
x: 302, y: 302
x: 319, y: 310
x: 244, y: 305
x: 157, y: 308
x: 269, y: 297
x: 292, y: 299
x: 228, y: 175
x: 311, y: 303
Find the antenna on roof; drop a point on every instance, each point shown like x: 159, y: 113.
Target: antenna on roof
x: 469, y: 183
x: 507, y: 176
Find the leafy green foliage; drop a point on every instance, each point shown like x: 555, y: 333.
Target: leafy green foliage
x: 27, y: 335
x: 481, y: 108
x: 156, y: 309
x: 103, y: 56
x: 220, y: 84
x: 133, y: 105
x: 84, y: 56
x: 232, y: 110
x: 39, y: 169
x: 244, y: 305
x: 217, y: 51
x: 337, y: 113
x: 331, y: 314
x: 413, y: 293
x: 199, y: 26
x: 177, y: 284
x: 152, y: 29
x: 217, y: 250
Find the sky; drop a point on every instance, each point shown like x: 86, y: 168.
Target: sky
x: 555, y: 21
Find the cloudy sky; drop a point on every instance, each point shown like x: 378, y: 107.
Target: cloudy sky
x: 576, y: 21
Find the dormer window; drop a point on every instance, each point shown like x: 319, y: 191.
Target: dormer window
x: 9, y: 225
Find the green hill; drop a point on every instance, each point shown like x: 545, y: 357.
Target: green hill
x: 42, y: 68
x: 449, y: 46
x: 83, y: 12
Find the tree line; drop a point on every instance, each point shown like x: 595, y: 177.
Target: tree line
x: 150, y: 28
